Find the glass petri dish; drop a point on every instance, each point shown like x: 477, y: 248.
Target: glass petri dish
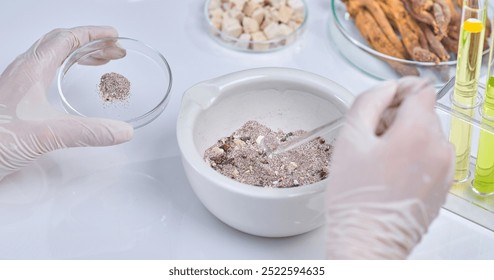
x: 355, y: 49
x: 249, y: 45
x: 145, y: 68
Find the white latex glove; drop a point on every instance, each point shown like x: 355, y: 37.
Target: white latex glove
x: 384, y: 191
x: 29, y: 125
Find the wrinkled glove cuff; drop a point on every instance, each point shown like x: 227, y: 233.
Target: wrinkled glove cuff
x: 375, y: 230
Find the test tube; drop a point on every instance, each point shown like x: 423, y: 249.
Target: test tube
x: 483, y: 182
x: 472, y: 30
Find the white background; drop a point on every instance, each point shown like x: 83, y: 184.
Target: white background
x: 133, y: 201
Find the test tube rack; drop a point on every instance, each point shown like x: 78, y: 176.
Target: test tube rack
x: 462, y: 199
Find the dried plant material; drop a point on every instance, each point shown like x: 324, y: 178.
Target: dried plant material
x: 421, y: 30
x: 241, y: 158
x: 488, y: 31
x: 414, y: 38
x: 376, y: 38
x: 442, y: 15
x: 371, y: 9
x: 450, y: 44
x: 435, y: 45
x: 276, y: 20
x: 114, y: 87
x: 454, y: 9
x: 434, y: 13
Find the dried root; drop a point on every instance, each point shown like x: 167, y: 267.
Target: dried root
x: 413, y: 37
x: 377, y: 39
x: 421, y: 30
x: 369, y: 9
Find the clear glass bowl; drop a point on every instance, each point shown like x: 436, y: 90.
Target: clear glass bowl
x: 250, y: 45
x: 355, y: 49
x: 147, y: 70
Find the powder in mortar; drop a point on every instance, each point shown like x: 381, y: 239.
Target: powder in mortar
x: 241, y: 157
x: 114, y: 87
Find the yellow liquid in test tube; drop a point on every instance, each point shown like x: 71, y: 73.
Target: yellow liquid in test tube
x: 465, y: 93
x: 484, y: 168
x: 473, y: 25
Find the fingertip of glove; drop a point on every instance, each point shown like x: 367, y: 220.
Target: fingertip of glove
x: 121, y: 131
x: 386, y: 88
x: 112, y: 132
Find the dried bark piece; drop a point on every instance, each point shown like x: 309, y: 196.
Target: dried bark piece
x: 376, y: 38
x: 413, y: 37
x: 424, y: 55
x: 435, y: 13
x: 435, y: 43
x: 442, y: 14
x: 354, y: 7
x: 454, y: 29
x: 450, y: 44
x: 454, y: 10
x: 419, y: 9
x: 488, y: 32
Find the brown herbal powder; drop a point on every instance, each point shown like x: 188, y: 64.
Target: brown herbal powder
x: 114, y: 87
x: 241, y: 157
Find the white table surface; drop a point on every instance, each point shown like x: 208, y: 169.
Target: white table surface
x: 133, y: 201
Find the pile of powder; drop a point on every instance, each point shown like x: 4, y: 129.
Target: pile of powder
x: 114, y: 87
x: 241, y: 157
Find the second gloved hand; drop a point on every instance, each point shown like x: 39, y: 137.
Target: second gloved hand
x: 387, y: 185
x: 29, y: 126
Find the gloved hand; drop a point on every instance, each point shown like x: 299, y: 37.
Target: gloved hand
x: 29, y: 125
x: 384, y: 191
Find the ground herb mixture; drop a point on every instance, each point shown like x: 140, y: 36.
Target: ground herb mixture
x: 242, y: 157
x: 114, y: 87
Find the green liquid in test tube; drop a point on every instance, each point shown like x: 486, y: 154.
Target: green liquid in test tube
x: 483, y: 182
x: 467, y: 75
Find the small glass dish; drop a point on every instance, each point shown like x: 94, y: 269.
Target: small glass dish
x: 256, y: 46
x: 145, y: 68
x: 355, y: 49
